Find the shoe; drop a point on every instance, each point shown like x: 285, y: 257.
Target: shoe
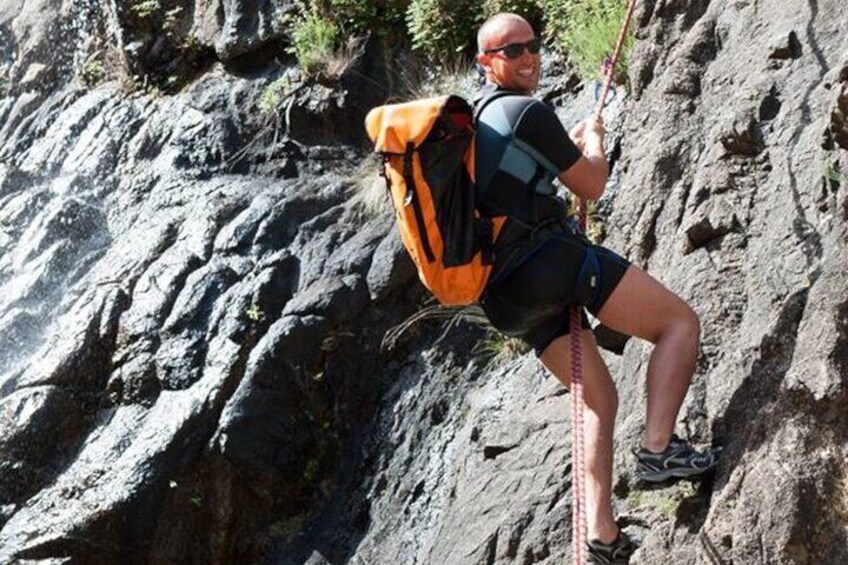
x: 617, y: 552
x: 679, y: 460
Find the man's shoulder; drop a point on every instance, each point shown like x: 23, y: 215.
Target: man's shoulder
x: 491, y: 91
x: 498, y: 103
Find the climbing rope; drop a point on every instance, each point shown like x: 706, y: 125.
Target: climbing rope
x: 578, y: 456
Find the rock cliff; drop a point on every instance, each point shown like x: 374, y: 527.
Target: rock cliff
x: 195, y: 292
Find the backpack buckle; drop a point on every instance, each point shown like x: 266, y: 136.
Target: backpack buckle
x: 407, y: 174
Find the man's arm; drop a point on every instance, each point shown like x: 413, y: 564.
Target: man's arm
x: 587, y: 177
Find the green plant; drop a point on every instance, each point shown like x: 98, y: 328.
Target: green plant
x: 356, y: 17
x: 595, y: 222
x: 833, y: 173
x: 254, y: 313
x: 274, y: 94
x: 442, y: 28
x: 145, y: 8
x: 499, y: 348
x: 587, y: 30
x: 171, y: 19
x: 555, y: 18
x: 93, y: 70
x: 530, y: 10
x: 315, y: 38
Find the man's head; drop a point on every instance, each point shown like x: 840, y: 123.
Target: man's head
x: 505, y: 45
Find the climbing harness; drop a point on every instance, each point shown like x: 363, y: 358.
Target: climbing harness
x: 579, y: 537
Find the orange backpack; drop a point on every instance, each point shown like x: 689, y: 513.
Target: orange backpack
x: 428, y: 163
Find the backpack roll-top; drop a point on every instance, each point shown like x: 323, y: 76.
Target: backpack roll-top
x: 428, y: 152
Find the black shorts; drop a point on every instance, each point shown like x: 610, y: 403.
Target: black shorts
x: 531, y: 296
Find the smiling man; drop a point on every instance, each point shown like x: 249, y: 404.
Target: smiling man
x: 543, y: 265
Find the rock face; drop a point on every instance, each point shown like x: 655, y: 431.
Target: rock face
x: 194, y: 296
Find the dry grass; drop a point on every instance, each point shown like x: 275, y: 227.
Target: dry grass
x: 450, y: 315
x: 369, y: 187
x: 340, y: 60
x: 455, y: 76
x: 496, y: 348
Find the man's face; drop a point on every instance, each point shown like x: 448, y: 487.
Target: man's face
x: 521, y: 73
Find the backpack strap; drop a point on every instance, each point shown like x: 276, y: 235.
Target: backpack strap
x: 485, y: 226
x: 480, y: 105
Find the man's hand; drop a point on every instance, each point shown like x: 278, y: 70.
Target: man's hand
x: 589, y: 130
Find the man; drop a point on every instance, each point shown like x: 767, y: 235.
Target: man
x: 543, y: 265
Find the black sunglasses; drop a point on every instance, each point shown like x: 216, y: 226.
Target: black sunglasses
x: 516, y: 50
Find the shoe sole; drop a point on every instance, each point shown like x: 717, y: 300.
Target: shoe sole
x: 681, y: 473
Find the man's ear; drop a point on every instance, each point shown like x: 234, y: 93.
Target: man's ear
x: 485, y: 61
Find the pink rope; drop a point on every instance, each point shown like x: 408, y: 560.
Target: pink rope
x: 579, y: 536
x: 578, y: 457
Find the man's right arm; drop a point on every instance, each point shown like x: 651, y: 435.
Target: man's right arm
x: 587, y: 177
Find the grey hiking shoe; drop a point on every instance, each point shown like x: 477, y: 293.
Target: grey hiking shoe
x: 617, y: 552
x: 679, y: 460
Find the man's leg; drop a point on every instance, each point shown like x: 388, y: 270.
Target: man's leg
x: 601, y: 400
x: 642, y: 307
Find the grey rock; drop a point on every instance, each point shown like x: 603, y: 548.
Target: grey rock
x: 193, y: 303
x: 786, y: 47
x: 391, y: 267
x: 741, y: 136
x: 246, y: 26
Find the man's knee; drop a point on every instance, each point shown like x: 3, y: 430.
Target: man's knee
x: 682, y: 321
x: 692, y: 323
x: 687, y: 323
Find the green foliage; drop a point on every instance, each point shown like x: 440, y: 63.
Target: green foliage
x: 663, y: 503
x: 145, y: 8
x: 555, y: 18
x: 442, y: 28
x: 499, y: 348
x: 254, y: 313
x: 171, y: 19
x: 834, y: 174
x: 356, y: 17
x: 596, y: 229
x: 92, y: 71
x: 589, y: 34
x: 530, y: 10
x: 315, y: 38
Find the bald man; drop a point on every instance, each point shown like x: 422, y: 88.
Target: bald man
x: 544, y: 265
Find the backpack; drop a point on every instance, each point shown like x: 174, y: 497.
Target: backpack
x: 427, y: 147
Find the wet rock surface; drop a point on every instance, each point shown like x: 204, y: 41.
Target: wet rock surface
x: 193, y: 296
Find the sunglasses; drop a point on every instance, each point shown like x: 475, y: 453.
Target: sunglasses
x: 516, y: 50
